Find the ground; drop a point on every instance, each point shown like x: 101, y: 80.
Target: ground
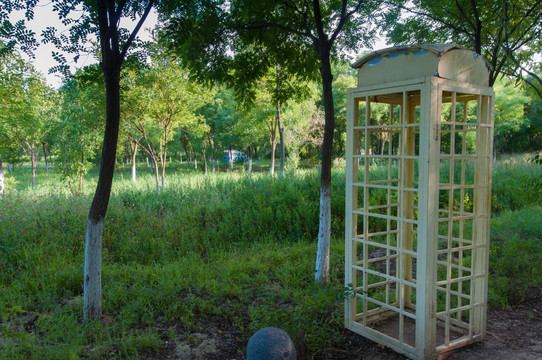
x: 513, y: 333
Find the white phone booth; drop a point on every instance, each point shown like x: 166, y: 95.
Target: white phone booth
x: 418, y: 192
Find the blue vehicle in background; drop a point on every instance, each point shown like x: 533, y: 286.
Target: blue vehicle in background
x: 238, y: 156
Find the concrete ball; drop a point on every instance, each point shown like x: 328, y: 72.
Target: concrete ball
x: 271, y: 344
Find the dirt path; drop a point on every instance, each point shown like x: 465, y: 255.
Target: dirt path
x: 513, y: 334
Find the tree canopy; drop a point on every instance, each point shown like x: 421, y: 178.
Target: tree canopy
x: 507, y: 33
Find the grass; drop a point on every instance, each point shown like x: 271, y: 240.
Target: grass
x: 226, y: 252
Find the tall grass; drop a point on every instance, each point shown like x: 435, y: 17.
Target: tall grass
x: 227, y: 252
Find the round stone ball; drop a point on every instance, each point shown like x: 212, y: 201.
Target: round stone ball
x: 270, y: 344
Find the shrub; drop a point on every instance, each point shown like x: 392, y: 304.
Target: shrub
x: 515, y: 256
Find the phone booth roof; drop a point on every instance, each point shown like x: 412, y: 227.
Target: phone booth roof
x: 406, y: 62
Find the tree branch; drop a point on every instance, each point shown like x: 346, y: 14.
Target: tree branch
x: 136, y: 29
x: 263, y: 25
x: 534, y: 22
x: 533, y: 86
x: 322, y: 37
x: 120, y: 7
x: 530, y: 73
x: 429, y: 16
x: 344, y: 17
x: 464, y: 15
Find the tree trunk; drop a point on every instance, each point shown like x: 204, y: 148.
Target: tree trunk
x: 281, y: 130
x: 33, y: 159
x: 156, y: 173
x: 249, y: 150
x: 184, y: 143
x: 1, y: 178
x: 281, y: 137
x: 231, y: 158
x: 10, y: 168
x: 324, y: 230
x: 273, y: 150
x: 134, y: 154
x: 213, y: 153
x: 92, y: 296
x: 163, y: 159
x: 45, y: 156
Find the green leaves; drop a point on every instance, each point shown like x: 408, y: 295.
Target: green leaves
x: 76, y: 131
x: 506, y: 33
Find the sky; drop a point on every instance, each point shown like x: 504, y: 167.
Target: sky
x: 44, y: 16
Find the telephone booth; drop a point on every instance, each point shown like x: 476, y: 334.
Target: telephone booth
x: 418, y: 192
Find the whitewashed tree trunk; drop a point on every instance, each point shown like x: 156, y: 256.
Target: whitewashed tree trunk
x: 92, y: 298
x: 10, y: 168
x: 163, y: 160
x: 156, y: 174
x: 250, y: 159
x: 273, y: 149
x: 34, y: 164
x: 324, y: 235
x: 324, y: 231
x: 134, y: 154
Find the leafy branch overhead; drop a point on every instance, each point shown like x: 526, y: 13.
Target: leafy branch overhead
x: 507, y: 33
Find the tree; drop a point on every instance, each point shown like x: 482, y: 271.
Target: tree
x: 160, y: 102
x: 507, y: 33
x: 305, y: 127
x: 510, y: 102
x: 11, y: 76
x: 229, y: 125
x: 100, y: 18
x: 26, y: 107
x: 77, y: 130
x: 533, y: 133
x: 300, y: 35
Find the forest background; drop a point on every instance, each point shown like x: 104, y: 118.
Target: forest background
x: 202, y: 238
